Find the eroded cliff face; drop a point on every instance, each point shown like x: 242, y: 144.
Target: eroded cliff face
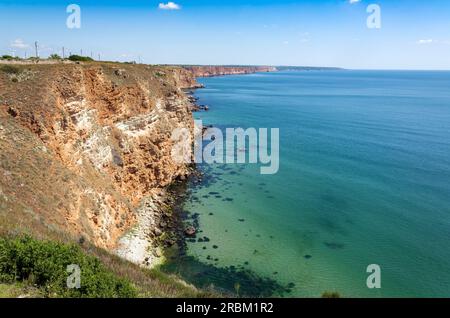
x: 83, y: 146
x: 209, y: 71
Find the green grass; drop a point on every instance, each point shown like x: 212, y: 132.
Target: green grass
x: 18, y: 290
x: 10, y: 290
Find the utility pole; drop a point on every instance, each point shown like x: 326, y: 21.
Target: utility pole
x: 99, y: 56
x: 36, y: 49
x: 63, y: 53
x: 81, y: 52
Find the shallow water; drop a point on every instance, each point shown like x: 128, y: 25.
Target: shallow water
x: 364, y: 179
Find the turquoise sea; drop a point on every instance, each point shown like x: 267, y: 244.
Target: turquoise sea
x: 364, y: 179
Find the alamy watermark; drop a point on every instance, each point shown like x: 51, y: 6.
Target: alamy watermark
x: 236, y: 146
x: 74, y: 278
x: 374, y: 18
x: 374, y: 279
x: 74, y: 19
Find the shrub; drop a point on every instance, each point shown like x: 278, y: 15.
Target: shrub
x: 44, y: 264
x: 54, y: 57
x: 78, y: 58
x: 7, y: 57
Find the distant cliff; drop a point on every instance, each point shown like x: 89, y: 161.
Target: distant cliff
x: 209, y: 71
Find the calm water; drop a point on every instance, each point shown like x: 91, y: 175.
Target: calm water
x: 364, y: 179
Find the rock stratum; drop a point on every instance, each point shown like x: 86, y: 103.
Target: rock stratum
x: 86, y: 150
x: 210, y: 71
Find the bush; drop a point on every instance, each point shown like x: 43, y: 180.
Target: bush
x: 54, y: 57
x: 78, y: 58
x: 7, y: 57
x: 10, y: 69
x: 44, y: 264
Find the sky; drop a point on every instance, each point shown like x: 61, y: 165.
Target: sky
x: 412, y: 34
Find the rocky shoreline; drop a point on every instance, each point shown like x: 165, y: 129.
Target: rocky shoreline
x: 161, y: 228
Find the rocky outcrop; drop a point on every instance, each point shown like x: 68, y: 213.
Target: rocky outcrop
x: 209, y: 71
x: 87, y: 148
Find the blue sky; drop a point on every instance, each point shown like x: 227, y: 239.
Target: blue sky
x: 414, y: 34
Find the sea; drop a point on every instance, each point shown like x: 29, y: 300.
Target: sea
x: 363, y: 179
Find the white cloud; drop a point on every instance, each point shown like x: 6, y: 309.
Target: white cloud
x: 19, y: 44
x: 354, y: 1
x: 426, y: 41
x: 432, y: 41
x: 169, y: 6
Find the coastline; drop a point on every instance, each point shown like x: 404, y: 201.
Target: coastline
x: 104, y: 129
x: 160, y: 220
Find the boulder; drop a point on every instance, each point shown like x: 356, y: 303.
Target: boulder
x: 157, y: 232
x: 190, y: 231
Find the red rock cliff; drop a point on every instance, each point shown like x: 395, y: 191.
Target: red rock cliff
x: 83, y: 145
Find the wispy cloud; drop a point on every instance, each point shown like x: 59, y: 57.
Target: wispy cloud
x: 169, y: 6
x: 432, y: 41
x: 304, y: 37
x: 353, y: 1
x: 19, y: 44
x: 425, y: 41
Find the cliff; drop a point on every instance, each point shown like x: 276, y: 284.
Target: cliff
x: 86, y: 150
x: 209, y: 71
